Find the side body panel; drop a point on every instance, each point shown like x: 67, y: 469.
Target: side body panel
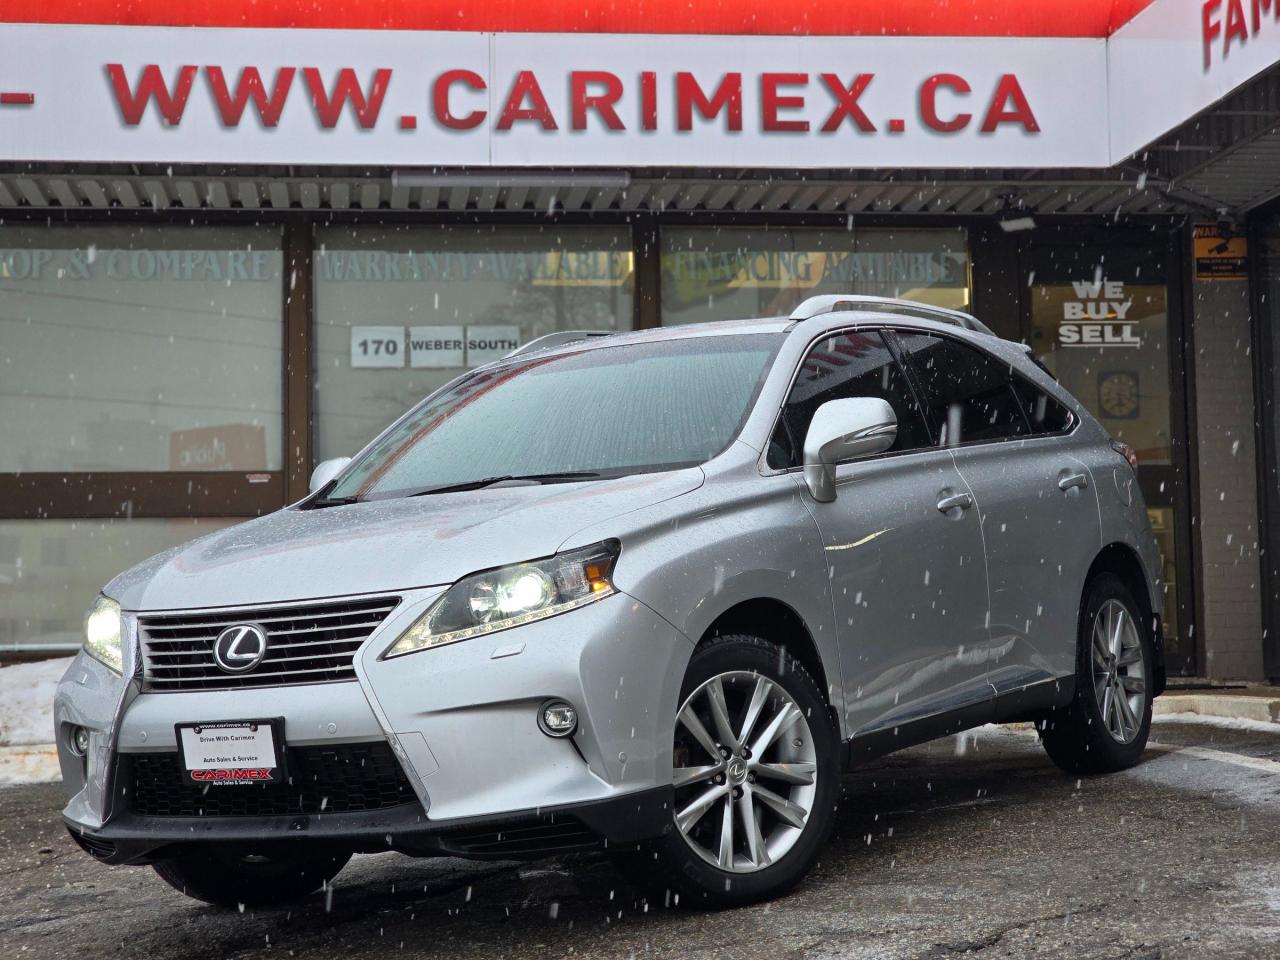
x: 1040, y: 540
x: 909, y: 588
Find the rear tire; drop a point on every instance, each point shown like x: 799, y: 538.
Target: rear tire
x: 778, y: 785
x: 251, y: 881
x: 1105, y: 728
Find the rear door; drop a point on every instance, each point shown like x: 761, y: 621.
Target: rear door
x: 902, y: 545
x: 1013, y: 444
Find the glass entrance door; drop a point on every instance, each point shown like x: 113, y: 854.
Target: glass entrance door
x: 1099, y: 312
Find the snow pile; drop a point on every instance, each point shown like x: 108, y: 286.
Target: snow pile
x: 26, y: 701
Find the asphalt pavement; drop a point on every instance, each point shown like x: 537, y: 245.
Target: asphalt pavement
x: 974, y: 845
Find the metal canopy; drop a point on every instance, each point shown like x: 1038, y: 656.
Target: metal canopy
x: 1228, y: 157
x: 318, y: 189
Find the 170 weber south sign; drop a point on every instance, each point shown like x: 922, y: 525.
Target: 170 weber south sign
x: 159, y: 94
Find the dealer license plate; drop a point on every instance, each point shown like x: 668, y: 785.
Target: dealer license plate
x: 230, y: 752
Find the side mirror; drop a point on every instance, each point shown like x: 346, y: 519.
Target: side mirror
x: 326, y: 470
x: 844, y: 430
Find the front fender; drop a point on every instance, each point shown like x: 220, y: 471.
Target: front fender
x: 740, y: 537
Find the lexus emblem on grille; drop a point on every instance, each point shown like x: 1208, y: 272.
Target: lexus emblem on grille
x: 240, y: 648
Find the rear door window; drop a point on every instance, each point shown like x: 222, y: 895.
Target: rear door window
x: 968, y: 395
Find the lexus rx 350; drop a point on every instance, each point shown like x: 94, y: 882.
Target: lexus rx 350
x: 651, y: 592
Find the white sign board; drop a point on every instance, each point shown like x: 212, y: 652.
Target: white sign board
x: 437, y: 347
x: 432, y: 99
x: 488, y: 343
x: 377, y: 346
x: 1177, y: 57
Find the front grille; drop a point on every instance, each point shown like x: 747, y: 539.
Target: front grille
x: 343, y: 778
x: 306, y: 643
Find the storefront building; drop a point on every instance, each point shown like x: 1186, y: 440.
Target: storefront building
x: 230, y: 252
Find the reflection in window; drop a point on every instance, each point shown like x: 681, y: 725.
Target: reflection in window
x: 402, y: 311
x: 140, y: 350
x: 729, y: 273
x: 43, y: 598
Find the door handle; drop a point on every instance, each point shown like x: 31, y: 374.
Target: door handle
x: 1067, y: 481
x: 951, y: 501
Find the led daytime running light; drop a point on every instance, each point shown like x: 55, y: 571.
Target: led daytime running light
x: 513, y: 596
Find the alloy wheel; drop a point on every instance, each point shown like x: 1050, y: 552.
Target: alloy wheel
x: 1119, y: 674
x: 745, y: 771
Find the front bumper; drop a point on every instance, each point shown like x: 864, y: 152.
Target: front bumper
x: 618, y: 821
x: 461, y: 721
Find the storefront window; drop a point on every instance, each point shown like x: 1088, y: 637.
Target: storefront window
x: 140, y: 349
x: 1103, y: 329
x: 723, y: 273
x: 401, y: 311
x: 50, y: 570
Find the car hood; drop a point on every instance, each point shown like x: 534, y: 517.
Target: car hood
x: 384, y: 545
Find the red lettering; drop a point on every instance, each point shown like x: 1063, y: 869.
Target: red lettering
x: 690, y: 96
x: 1236, y: 28
x: 602, y: 103
x: 249, y: 87
x: 526, y: 86
x: 232, y: 773
x: 771, y: 102
x: 440, y: 99
x: 1259, y: 8
x: 847, y: 102
x: 929, y: 103
x: 151, y: 85
x: 1009, y: 91
x: 347, y: 88
x: 1209, y: 28
x: 648, y: 100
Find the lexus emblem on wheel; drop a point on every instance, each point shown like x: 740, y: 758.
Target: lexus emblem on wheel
x: 240, y: 648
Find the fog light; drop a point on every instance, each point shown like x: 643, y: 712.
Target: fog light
x: 80, y: 740
x: 557, y: 718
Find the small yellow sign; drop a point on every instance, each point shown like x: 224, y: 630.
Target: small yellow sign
x: 1219, y: 255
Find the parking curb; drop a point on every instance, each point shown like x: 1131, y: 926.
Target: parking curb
x: 1226, y: 706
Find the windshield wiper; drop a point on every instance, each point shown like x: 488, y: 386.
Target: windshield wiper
x: 490, y: 481
x: 332, y: 502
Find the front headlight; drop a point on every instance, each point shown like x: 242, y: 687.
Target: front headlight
x: 511, y: 596
x: 103, y: 634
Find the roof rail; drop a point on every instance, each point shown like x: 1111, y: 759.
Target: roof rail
x: 831, y: 302
x: 558, y: 339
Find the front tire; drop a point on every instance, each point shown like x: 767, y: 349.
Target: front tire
x: 1105, y: 728
x: 251, y: 881
x: 756, y: 773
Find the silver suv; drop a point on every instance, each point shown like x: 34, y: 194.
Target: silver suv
x: 652, y: 592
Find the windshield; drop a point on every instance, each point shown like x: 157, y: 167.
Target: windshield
x: 610, y: 411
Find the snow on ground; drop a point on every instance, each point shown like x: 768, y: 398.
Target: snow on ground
x: 26, y: 701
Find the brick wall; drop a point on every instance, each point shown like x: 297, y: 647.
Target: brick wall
x: 1227, y: 513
